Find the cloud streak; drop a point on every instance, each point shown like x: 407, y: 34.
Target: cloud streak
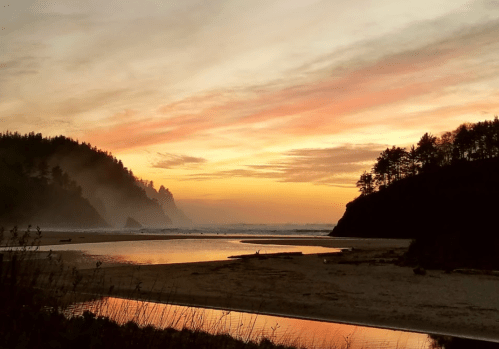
x: 329, y: 166
x: 169, y: 161
x: 284, y: 91
x: 319, y: 104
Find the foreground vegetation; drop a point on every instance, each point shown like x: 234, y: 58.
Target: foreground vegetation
x: 37, y: 293
x: 44, y: 303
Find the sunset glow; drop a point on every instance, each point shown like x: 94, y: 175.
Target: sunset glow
x: 248, y: 111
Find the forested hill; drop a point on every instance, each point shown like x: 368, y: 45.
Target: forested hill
x: 61, y: 182
x: 443, y: 193
x: 457, y: 199
x: 442, y: 184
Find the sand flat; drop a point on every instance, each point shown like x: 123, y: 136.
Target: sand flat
x: 362, y: 286
x: 61, y: 238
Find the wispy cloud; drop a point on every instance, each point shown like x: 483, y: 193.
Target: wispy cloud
x: 318, y: 102
x: 329, y: 166
x: 218, y: 88
x: 168, y: 161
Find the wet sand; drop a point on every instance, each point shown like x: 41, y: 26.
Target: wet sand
x: 363, y: 286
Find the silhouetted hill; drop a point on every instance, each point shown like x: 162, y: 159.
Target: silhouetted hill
x: 457, y: 199
x: 443, y: 193
x: 452, y: 214
x: 33, y: 166
x: 28, y: 194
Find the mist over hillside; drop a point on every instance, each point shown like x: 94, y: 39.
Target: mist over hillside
x: 165, y: 198
x: 59, y: 181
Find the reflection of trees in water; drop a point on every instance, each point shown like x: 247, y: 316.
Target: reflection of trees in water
x: 447, y: 342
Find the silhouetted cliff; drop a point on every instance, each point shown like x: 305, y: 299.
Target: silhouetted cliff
x: 165, y: 198
x: 456, y: 199
x: 443, y: 193
x: 59, y: 181
x: 451, y: 213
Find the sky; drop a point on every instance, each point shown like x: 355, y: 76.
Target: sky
x: 248, y: 111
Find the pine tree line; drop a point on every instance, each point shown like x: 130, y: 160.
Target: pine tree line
x: 37, y: 170
x: 469, y: 142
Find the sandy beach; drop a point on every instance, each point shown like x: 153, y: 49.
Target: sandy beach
x: 362, y: 286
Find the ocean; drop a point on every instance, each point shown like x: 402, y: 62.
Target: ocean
x: 291, y: 230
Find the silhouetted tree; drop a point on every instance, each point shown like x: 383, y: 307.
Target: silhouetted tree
x: 445, y: 148
x: 57, y: 175
x: 366, y: 183
x: 381, y: 170
x: 413, y: 165
x: 463, y: 143
x: 391, y: 165
x: 397, y: 163
x: 468, y: 142
x: 43, y: 170
x: 427, y: 152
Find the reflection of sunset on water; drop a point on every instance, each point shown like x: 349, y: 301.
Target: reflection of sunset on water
x: 248, y: 326
x: 178, y: 251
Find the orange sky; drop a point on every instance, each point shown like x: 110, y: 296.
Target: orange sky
x: 255, y: 112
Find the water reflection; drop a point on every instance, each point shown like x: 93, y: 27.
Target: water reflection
x: 247, y: 326
x: 446, y: 342
x: 177, y: 251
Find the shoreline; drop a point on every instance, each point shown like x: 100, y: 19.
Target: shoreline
x: 331, y: 320
x: 57, y: 238
x: 340, y: 321
x: 362, y: 287
x: 54, y: 237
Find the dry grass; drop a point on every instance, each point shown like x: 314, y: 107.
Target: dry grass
x: 47, y: 303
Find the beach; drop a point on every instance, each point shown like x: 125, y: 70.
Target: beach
x: 362, y: 286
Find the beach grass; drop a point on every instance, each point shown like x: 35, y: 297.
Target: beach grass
x: 47, y: 303
x: 42, y: 304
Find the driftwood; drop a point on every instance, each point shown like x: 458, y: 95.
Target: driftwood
x: 268, y: 255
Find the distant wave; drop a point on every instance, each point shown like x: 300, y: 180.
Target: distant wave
x: 312, y: 230
x: 228, y: 229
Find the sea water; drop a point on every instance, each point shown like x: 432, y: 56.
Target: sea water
x: 148, y: 252
x: 183, y: 250
x: 227, y: 229
x: 252, y: 326
x: 309, y: 333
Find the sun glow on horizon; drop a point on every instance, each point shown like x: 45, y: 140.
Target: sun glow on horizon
x: 249, y: 112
